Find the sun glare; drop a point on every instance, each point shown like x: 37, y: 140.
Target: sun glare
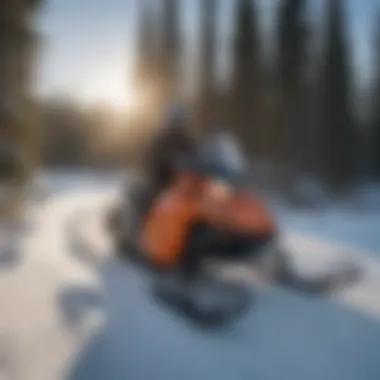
x: 117, y: 93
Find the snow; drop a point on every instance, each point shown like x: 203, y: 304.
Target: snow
x: 353, y: 222
x: 71, y: 311
x: 285, y: 336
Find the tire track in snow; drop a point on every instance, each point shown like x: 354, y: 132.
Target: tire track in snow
x: 310, y: 256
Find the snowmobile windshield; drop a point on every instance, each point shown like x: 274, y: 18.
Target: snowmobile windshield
x: 221, y: 157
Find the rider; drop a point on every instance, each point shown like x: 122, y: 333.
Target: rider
x: 173, y: 145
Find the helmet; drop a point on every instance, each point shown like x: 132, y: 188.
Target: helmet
x: 176, y: 116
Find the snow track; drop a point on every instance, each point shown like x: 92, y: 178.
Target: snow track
x: 69, y: 310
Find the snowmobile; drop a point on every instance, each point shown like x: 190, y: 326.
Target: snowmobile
x: 209, y: 200
x: 209, y: 212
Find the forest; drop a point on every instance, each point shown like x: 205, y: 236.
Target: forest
x: 295, y: 107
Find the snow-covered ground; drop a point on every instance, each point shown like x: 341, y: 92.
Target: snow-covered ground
x: 354, y: 222
x: 71, y: 311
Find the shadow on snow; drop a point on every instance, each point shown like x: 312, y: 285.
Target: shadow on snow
x: 285, y: 335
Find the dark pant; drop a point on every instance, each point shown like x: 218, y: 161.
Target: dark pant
x: 194, y: 253
x: 204, y: 242
x: 146, y: 197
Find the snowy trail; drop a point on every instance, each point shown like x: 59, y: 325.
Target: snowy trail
x: 65, y: 288
x: 33, y: 327
x: 284, y: 336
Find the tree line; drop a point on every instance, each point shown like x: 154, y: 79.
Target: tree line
x: 296, y: 111
x: 74, y: 136
x: 18, y: 114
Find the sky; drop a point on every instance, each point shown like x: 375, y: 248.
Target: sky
x: 87, y: 45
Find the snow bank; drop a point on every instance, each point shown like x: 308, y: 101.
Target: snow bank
x: 343, y: 225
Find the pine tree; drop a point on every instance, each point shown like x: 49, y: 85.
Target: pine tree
x: 17, y: 46
x: 375, y: 130
x: 207, y: 93
x: 338, y: 131
x: 147, y: 44
x: 18, y: 132
x: 246, y: 77
x: 170, y: 49
x: 287, y: 138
